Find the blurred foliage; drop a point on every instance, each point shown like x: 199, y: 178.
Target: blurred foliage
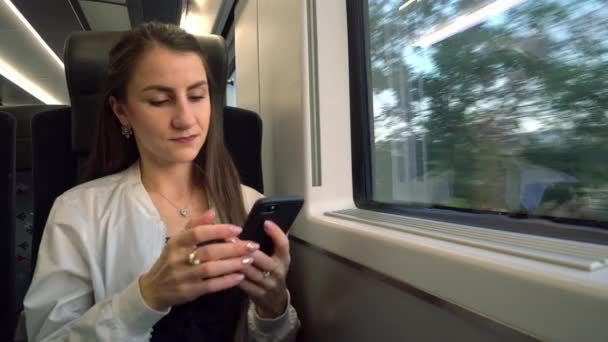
x: 543, y: 61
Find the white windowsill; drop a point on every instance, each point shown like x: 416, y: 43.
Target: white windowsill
x: 573, y: 254
x: 511, y: 290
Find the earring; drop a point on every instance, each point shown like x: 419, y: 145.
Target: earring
x: 126, y: 131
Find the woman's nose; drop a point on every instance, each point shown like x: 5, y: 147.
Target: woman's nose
x: 184, y: 116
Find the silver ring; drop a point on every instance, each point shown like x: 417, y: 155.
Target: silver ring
x: 265, y: 274
x: 192, y: 259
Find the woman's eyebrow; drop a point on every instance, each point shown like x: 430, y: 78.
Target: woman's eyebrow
x: 166, y: 89
x: 198, y: 84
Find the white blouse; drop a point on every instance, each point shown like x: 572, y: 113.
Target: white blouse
x: 99, y: 238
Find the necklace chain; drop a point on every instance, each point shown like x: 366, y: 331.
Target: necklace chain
x: 185, y: 212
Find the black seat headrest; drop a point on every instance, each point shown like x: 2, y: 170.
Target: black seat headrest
x: 86, y: 59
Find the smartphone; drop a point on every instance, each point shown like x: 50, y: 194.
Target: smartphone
x: 280, y: 210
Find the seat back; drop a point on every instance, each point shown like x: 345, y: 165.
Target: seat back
x: 23, y: 114
x: 54, y: 166
x: 61, y: 138
x: 8, y: 128
x: 243, y: 138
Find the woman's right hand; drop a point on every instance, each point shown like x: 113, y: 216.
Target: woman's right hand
x: 172, y: 280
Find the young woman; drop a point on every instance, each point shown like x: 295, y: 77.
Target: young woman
x: 119, y: 259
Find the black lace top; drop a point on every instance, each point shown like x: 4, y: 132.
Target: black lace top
x: 211, y: 317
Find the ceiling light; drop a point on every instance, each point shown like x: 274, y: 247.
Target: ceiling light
x: 26, y: 84
x: 33, y: 31
x: 466, y: 21
x: 194, y: 23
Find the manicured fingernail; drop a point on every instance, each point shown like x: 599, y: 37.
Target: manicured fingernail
x: 232, y: 240
x: 236, y: 229
x: 240, y: 277
x: 267, y: 225
x: 247, y: 260
x: 252, y: 246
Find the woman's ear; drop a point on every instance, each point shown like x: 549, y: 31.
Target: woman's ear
x: 119, y: 110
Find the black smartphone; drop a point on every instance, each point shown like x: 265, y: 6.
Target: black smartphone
x: 280, y: 210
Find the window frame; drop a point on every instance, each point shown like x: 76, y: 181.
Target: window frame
x: 361, y: 115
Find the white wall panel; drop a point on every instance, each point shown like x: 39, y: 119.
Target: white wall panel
x: 268, y: 39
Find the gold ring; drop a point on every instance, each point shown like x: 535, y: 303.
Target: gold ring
x: 192, y: 260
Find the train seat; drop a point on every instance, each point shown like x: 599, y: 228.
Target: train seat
x: 8, y: 308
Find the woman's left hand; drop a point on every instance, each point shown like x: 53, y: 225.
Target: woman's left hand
x: 265, y: 279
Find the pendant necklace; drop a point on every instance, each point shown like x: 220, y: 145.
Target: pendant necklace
x: 184, y: 212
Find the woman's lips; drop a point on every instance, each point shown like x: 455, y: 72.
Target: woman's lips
x: 185, y: 140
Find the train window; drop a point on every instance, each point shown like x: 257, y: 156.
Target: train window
x: 484, y: 112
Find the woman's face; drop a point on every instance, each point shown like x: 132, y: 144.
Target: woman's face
x: 167, y: 105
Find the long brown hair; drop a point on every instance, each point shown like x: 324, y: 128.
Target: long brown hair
x: 213, y: 168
